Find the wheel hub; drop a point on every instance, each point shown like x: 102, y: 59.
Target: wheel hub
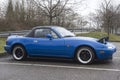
x: 85, y: 55
x: 18, y: 53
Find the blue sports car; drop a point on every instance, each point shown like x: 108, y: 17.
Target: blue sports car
x: 54, y: 41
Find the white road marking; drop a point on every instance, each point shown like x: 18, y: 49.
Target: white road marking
x: 60, y: 66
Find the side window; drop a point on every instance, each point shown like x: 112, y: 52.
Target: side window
x: 41, y: 33
x: 54, y: 35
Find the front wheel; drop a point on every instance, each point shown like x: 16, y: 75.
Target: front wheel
x: 18, y: 53
x: 85, y: 55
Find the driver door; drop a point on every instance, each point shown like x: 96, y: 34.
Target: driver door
x: 43, y: 46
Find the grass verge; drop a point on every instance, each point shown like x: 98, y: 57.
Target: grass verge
x: 99, y: 35
x: 2, y: 43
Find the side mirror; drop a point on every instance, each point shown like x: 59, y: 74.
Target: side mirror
x: 49, y: 36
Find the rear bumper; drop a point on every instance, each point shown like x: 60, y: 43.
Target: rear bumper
x: 104, y: 54
x: 7, y: 49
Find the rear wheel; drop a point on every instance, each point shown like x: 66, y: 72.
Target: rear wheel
x: 19, y: 53
x: 85, y: 55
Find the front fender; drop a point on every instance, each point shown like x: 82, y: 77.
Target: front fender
x: 74, y: 45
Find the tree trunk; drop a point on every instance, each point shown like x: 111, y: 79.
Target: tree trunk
x: 50, y: 21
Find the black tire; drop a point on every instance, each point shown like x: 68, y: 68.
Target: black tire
x: 85, y: 55
x: 19, y: 53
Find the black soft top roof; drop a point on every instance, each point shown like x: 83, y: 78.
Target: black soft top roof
x: 31, y: 33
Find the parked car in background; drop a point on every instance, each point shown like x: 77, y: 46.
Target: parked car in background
x: 54, y: 41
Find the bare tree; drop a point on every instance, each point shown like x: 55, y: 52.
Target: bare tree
x: 95, y: 20
x: 107, y: 12
x: 9, y: 13
x: 51, y: 8
x: 24, y: 14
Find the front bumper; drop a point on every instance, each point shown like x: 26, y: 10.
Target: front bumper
x: 105, y: 53
x: 7, y: 49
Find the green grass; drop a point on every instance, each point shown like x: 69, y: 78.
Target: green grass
x: 99, y: 35
x: 2, y: 43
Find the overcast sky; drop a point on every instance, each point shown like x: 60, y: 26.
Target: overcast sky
x: 88, y: 6
x: 92, y: 5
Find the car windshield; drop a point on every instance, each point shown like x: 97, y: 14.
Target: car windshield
x: 63, y: 32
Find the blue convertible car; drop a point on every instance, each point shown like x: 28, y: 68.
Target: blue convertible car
x: 53, y: 41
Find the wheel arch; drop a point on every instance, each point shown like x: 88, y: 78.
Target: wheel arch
x: 19, y: 45
x: 77, y: 48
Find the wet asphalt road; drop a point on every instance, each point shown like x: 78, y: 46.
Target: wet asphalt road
x: 59, y: 69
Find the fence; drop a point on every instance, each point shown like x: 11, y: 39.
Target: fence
x: 7, y: 33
